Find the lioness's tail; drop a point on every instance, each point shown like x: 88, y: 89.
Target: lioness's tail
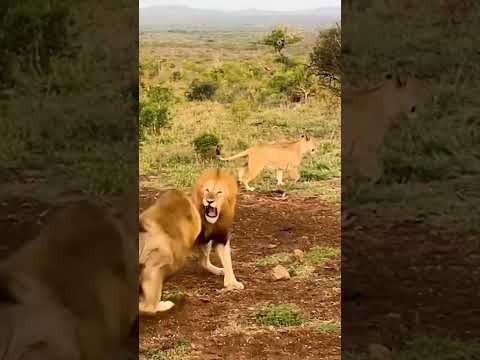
x: 239, y: 155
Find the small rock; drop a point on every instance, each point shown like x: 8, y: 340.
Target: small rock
x: 298, y: 254
x: 271, y: 246
x: 279, y: 272
x: 379, y: 352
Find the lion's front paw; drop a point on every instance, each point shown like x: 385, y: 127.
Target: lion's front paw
x: 152, y: 310
x: 234, y: 285
x: 164, y: 306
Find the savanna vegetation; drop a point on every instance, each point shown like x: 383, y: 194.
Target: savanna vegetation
x: 440, y: 147
x: 429, y: 193
x: 202, y: 89
x: 51, y: 56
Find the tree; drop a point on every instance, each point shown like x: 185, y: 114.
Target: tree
x: 280, y: 37
x: 325, y: 59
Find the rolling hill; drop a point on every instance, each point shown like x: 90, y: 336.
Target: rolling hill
x: 178, y: 18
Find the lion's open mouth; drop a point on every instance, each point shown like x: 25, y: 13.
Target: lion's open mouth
x: 211, y: 213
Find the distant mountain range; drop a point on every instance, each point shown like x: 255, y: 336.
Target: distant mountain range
x: 162, y: 18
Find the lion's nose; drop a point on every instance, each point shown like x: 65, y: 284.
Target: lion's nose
x: 210, y: 201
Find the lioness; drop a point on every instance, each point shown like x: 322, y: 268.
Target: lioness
x: 67, y: 294
x: 215, y: 195
x: 366, y: 117
x: 168, y: 230
x: 285, y: 156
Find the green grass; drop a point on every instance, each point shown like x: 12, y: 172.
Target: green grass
x: 279, y: 315
x: 320, y: 254
x: 273, y: 260
x: 176, y: 353
x: 327, y: 327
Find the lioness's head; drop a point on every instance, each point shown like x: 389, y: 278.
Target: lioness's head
x: 406, y: 94
x: 308, y: 144
x: 214, y: 193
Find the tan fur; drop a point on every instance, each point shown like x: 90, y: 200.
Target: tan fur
x: 68, y: 293
x: 282, y: 156
x: 216, y: 189
x: 169, y: 230
x: 366, y: 117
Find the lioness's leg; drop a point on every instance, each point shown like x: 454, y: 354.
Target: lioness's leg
x: 294, y: 173
x: 279, y: 177
x: 152, y: 285
x: 205, y: 259
x: 370, y: 166
x: 224, y: 253
x: 249, y: 175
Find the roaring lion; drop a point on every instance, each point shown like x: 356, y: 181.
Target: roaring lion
x: 284, y: 156
x: 168, y: 230
x: 214, y: 195
x: 366, y: 117
x: 70, y: 293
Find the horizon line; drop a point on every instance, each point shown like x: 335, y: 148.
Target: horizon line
x: 333, y: 6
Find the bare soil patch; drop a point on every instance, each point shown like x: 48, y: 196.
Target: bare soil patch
x: 405, y: 278
x: 220, y: 324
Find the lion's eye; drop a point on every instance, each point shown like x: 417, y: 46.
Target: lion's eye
x: 206, y: 191
x: 219, y: 192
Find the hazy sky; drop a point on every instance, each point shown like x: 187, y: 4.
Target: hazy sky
x: 246, y: 4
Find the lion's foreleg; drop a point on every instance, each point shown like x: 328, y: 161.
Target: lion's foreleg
x: 205, y: 259
x: 224, y: 253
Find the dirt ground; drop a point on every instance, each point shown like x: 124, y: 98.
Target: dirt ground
x: 219, y: 323
x: 404, y: 278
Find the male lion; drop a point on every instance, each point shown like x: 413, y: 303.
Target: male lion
x: 70, y: 293
x: 169, y: 229
x: 284, y: 156
x: 214, y: 195
x: 366, y: 117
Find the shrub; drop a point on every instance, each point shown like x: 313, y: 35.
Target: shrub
x: 296, y: 83
x: 201, y: 90
x: 325, y: 59
x: 156, y: 109
x: 205, y: 145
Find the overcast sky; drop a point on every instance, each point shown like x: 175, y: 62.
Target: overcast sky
x: 278, y: 5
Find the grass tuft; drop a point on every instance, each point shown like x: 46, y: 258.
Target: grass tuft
x: 178, y: 352
x: 279, y: 315
x: 273, y: 260
x: 327, y: 327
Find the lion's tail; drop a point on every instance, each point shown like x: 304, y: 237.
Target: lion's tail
x: 239, y: 155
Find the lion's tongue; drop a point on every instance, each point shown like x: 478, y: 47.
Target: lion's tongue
x: 212, y: 212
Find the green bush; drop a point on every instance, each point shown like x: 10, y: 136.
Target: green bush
x: 156, y: 109
x: 205, y: 144
x: 201, y: 90
x: 296, y: 83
